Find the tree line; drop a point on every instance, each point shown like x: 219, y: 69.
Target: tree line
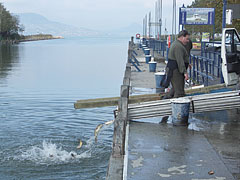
x: 9, y: 25
x: 218, y: 5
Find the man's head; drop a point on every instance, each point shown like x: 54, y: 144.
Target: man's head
x: 183, y: 36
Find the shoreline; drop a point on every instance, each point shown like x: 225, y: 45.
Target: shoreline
x: 39, y: 37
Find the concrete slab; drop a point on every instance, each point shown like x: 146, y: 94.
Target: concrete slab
x: 222, y: 128
x: 164, y: 151
x: 145, y: 79
x: 208, y: 149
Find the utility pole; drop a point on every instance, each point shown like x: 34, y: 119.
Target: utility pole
x: 174, y: 20
x: 149, y: 24
x: 145, y: 26
x: 156, y: 19
x: 160, y: 18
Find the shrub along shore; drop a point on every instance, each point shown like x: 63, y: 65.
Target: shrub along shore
x: 38, y: 37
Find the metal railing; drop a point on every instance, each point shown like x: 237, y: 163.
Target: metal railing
x: 206, y: 68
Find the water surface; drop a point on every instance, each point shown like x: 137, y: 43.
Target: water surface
x: 39, y: 127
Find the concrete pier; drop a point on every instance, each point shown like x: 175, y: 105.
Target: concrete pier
x: 208, y: 148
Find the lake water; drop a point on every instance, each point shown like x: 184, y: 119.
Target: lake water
x: 39, y: 127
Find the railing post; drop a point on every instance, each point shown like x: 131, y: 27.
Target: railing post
x: 206, y: 70
x: 197, y: 60
x: 219, y: 64
x: 120, y: 123
x: 190, y: 70
x: 194, y: 68
x: 214, y: 62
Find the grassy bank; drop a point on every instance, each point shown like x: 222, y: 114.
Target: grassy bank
x: 39, y: 37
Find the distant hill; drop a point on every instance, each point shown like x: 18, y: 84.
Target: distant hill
x: 36, y: 23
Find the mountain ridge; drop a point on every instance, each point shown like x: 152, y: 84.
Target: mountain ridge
x: 37, y: 24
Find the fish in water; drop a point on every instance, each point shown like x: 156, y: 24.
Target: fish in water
x: 98, y: 128
x: 96, y: 131
x: 109, y: 122
x: 80, y: 144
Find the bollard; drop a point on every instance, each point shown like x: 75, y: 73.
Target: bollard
x: 159, y: 76
x: 144, y: 47
x: 180, y: 111
x: 148, y: 58
x: 152, y: 66
x: 147, y: 51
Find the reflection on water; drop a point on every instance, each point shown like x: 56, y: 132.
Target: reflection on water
x: 39, y: 127
x: 9, y: 58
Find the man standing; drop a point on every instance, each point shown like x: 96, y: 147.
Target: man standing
x: 178, y: 61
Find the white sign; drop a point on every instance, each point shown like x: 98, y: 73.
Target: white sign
x: 229, y: 13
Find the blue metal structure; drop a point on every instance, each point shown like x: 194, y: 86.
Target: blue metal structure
x: 224, y: 14
x: 206, y: 68
x: 133, y: 60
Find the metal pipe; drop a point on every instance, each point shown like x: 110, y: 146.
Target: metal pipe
x: 202, y: 103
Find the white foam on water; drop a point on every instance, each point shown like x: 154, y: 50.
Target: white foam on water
x: 51, y: 153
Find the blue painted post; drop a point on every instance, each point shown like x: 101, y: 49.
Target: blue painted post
x: 202, y: 70
x: 190, y: 70
x: 194, y: 69
x: 206, y: 70
x: 214, y: 62
x: 167, y: 53
x: 197, y: 60
x: 224, y: 14
x: 210, y: 62
x: 202, y: 48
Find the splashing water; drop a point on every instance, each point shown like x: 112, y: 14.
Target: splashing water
x: 50, y: 153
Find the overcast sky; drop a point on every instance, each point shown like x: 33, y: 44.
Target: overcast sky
x: 94, y: 14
